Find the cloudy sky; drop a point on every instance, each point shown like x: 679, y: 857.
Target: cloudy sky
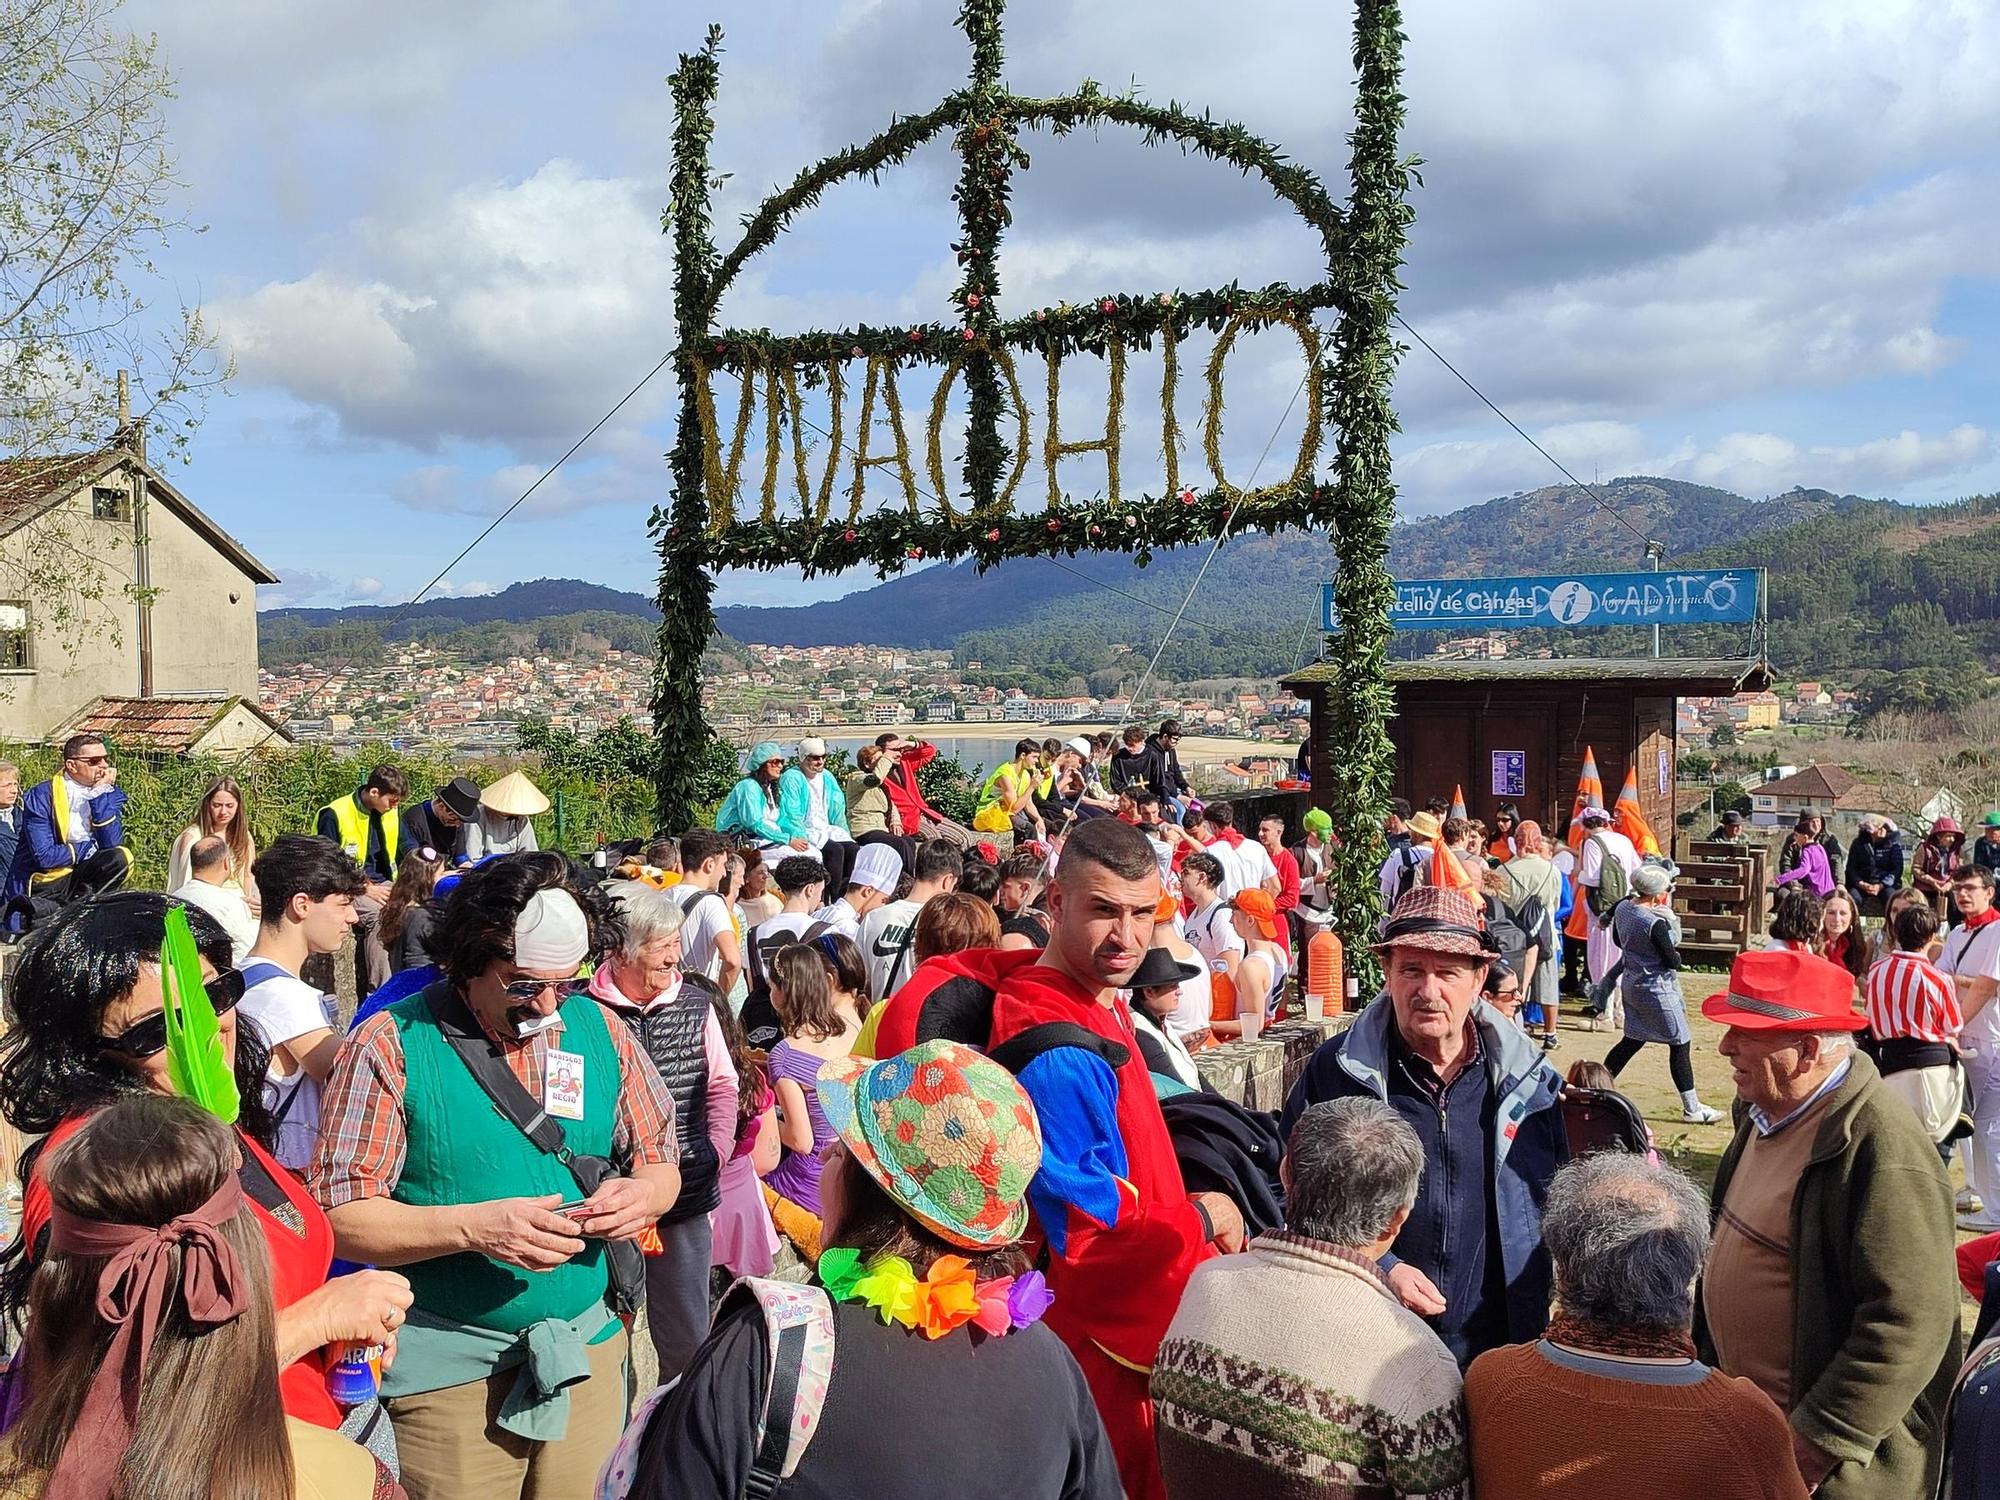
x: 1732, y: 244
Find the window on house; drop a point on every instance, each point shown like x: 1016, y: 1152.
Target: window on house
x: 14, y: 656
x: 108, y: 503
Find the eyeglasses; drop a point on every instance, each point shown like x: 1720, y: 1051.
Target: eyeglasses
x: 91, y: 760
x: 815, y: 757
x: 1513, y: 994
x: 145, y: 1038
x: 533, y: 989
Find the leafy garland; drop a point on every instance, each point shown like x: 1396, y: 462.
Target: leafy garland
x: 1356, y: 751
x: 1363, y: 249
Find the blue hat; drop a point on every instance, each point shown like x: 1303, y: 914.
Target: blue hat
x: 764, y: 751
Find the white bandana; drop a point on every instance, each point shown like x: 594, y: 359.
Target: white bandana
x: 550, y: 934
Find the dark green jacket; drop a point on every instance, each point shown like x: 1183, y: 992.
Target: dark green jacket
x: 1875, y: 1337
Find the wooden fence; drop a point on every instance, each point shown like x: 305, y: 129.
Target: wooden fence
x: 1720, y: 896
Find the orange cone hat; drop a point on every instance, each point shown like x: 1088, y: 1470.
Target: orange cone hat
x: 1629, y: 820
x: 1589, y: 793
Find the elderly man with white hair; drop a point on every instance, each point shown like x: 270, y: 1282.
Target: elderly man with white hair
x: 1292, y: 1369
x: 672, y: 1016
x: 504, y: 1146
x: 1643, y: 1417
x: 1830, y: 1282
x: 1483, y: 1101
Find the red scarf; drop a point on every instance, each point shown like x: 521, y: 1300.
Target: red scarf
x: 1974, y: 923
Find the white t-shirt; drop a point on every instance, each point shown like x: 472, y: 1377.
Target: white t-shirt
x: 283, y: 1008
x: 1235, y: 873
x: 704, y: 920
x: 888, y: 944
x: 1212, y: 930
x: 772, y: 934
x: 225, y: 903
x: 1590, y: 863
x: 1975, y: 954
x: 1258, y: 866
x: 840, y: 918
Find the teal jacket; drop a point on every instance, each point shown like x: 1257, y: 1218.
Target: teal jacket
x: 747, y: 810
x: 793, y: 797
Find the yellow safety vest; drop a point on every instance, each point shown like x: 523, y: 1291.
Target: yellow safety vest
x: 351, y: 819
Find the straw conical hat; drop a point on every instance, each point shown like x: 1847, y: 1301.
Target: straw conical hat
x: 515, y: 796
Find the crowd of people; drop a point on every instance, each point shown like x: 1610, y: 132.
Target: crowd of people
x: 956, y: 1073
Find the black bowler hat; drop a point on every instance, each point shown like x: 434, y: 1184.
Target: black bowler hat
x: 1158, y: 969
x: 460, y: 797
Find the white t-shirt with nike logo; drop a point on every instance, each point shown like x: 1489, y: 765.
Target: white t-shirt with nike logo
x: 888, y: 945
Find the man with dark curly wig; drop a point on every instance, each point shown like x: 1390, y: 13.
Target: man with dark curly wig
x: 509, y: 1376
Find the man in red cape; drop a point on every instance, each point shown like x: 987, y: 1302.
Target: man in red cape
x: 1123, y: 1231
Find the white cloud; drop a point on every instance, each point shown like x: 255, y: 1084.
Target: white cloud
x: 364, y: 588
x: 1851, y: 296
x: 1435, y: 477
x: 514, y: 313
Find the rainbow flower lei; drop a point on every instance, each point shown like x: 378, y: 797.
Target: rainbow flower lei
x: 945, y: 1298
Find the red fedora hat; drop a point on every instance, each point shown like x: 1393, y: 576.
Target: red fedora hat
x: 1782, y: 989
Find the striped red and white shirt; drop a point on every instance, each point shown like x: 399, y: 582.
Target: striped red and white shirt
x: 1909, y: 996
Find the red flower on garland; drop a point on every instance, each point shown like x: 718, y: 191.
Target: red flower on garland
x: 993, y: 535
x: 916, y: 335
x: 1187, y: 497
x: 967, y: 335
x: 916, y: 552
x: 847, y: 535
x: 1107, y: 306
x: 972, y: 299
x: 1055, y: 526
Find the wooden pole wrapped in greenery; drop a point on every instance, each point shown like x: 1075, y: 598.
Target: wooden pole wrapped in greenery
x: 1359, y: 706
x: 687, y: 614
x: 706, y: 526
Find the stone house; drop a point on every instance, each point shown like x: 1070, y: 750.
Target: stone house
x: 175, y: 607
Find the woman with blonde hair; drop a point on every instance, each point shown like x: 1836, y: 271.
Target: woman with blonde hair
x: 222, y: 813
x: 151, y: 1335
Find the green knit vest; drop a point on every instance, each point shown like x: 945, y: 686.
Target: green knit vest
x: 463, y: 1150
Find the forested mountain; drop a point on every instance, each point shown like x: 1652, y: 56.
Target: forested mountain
x: 555, y: 616
x: 1857, y: 586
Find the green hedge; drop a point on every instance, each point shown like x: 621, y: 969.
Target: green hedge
x: 600, y: 786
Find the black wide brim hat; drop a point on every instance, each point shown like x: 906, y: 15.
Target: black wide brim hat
x: 460, y: 796
x: 1158, y: 969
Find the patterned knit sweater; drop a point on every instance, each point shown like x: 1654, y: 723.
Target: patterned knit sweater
x: 1292, y: 1373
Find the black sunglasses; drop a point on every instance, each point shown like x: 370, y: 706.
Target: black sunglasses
x: 531, y: 989
x: 144, y: 1038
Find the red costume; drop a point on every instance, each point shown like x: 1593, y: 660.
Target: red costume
x: 300, y: 1240
x: 949, y: 996
x: 1109, y: 1199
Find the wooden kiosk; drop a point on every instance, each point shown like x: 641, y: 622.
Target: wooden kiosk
x: 1491, y: 726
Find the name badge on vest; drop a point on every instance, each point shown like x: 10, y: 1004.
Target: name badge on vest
x: 562, y: 1085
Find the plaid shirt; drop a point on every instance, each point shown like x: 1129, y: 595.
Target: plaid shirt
x: 362, y: 1141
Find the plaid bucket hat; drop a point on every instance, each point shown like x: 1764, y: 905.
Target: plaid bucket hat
x: 949, y: 1135
x: 1441, y: 920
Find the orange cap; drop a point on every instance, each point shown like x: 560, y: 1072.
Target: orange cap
x: 1260, y: 906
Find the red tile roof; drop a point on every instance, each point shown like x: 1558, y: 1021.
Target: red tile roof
x: 1814, y: 781
x: 171, y: 725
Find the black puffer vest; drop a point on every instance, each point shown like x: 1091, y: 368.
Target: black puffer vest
x: 672, y: 1037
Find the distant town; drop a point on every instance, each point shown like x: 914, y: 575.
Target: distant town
x: 429, y: 695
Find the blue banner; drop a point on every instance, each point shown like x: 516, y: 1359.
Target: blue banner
x: 1675, y: 597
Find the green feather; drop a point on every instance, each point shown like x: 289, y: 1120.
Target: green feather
x: 195, y: 1065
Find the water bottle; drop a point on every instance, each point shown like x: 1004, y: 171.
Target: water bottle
x: 356, y: 1376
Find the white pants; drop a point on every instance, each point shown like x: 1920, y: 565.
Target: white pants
x: 1980, y: 1151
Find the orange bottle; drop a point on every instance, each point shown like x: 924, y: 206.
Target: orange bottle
x: 1324, y: 970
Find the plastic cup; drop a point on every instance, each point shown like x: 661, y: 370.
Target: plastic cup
x: 1315, y: 1007
x: 1253, y: 1022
